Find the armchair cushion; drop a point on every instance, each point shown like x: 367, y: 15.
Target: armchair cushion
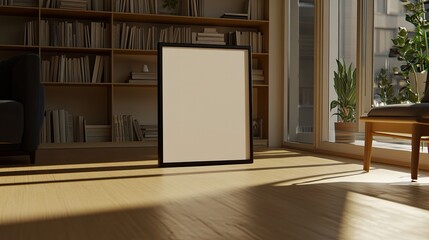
x: 11, y: 121
x: 417, y: 110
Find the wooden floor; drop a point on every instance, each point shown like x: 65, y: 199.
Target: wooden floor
x: 282, y: 195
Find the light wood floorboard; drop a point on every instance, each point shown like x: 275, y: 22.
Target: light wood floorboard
x: 282, y: 195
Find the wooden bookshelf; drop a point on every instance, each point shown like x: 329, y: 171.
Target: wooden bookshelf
x: 98, y: 102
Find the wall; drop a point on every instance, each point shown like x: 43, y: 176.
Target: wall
x: 277, y: 64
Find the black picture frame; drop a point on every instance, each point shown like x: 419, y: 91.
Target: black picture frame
x: 204, y: 104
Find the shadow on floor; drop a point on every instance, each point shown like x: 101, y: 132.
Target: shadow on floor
x: 342, y: 210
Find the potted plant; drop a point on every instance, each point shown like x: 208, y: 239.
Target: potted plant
x: 386, y: 93
x: 413, y: 48
x: 170, y: 6
x: 345, y: 87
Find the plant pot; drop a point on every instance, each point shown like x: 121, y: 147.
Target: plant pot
x: 169, y: 11
x: 345, y: 132
x: 418, y: 85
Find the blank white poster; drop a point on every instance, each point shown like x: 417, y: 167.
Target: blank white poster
x: 206, y: 104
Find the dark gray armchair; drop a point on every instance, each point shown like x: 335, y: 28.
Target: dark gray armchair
x: 21, y: 106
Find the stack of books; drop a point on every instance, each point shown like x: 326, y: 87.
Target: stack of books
x: 98, y: 133
x: 258, y: 76
x: 150, y: 131
x: 74, y: 4
x: 208, y: 36
x: 235, y: 15
x: 144, y: 78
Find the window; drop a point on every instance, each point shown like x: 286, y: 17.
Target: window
x: 358, y: 32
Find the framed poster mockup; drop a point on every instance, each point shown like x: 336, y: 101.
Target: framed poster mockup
x: 204, y: 104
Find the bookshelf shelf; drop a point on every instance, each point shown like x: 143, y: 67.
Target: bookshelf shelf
x: 188, y: 20
x: 100, y: 95
x: 133, y: 85
x: 19, y: 11
x: 102, y: 51
x: 134, y: 52
x: 74, y: 84
x: 18, y: 47
x: 75, y: 14
x: 146, y: 143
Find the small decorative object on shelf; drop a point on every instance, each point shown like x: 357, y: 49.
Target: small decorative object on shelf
x: 257, y: 128
x: 145, y: 68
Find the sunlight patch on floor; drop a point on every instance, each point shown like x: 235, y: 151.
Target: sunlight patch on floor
x: 362, y: 213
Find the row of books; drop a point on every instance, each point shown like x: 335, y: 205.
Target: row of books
x: 30, y: 33
x: 174, y: 34
x: 124, y: 128
x: 136, y: 6
x: 59, y: 126
x: 96, y: 5
x: 128, y: 36
x: 195, y: 8
x: 75, y: 69
x: 256, y: 10
x: 127, y: 128
x: 73, y: 34
x: 131, y: 36
x: 20, y: 3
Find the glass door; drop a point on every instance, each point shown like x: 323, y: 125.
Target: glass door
x: 300, y: 108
